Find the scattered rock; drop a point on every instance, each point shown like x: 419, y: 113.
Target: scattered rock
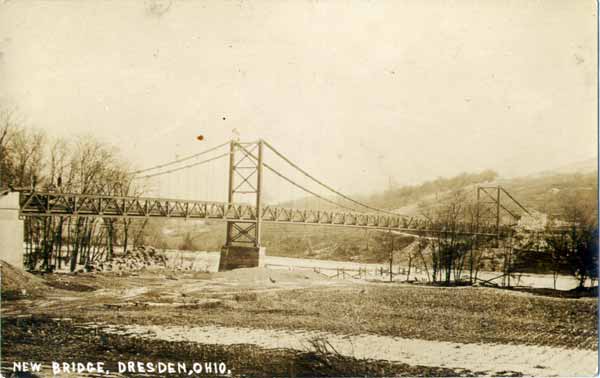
x: 134, y: 260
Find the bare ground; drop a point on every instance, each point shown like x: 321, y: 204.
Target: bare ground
x: 294, y: 301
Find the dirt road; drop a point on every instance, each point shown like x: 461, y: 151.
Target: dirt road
x: 492, y: 359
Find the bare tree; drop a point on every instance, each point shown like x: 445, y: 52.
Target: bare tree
x: 8, y: 125
x: 575, y: 248
x: 449, y: 245
x: 84, y: 166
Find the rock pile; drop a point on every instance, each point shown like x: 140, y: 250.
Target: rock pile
x: 134, y: 260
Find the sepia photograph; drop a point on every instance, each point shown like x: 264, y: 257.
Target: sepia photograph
x: 298, y: 188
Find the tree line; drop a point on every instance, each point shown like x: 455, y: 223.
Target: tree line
x: 29, y: 158
x: 569, y: 240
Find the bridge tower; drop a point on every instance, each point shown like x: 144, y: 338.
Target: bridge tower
x: 242, y: 247
x: 488, y: 208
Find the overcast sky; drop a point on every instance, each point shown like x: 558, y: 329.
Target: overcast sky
x: 355, y: 91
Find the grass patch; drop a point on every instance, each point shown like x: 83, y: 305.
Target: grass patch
x: 468, y: 314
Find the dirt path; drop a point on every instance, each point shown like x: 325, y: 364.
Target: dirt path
x: 489, y: 358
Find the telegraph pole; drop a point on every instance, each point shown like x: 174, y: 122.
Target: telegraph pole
x: 391, y: 254
x: 259, y: 179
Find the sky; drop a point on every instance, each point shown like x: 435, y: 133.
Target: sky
x: 360, y: 93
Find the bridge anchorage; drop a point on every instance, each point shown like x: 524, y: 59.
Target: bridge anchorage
x: 245, y: 211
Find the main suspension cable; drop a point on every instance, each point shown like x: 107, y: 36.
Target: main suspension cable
x: 179, y: 160
x: 183, y: 167
x: 249, y: 153
x: 325, y: 185
x: 305, y: 189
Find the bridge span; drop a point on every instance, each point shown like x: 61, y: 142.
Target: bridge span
x: 45, y: 204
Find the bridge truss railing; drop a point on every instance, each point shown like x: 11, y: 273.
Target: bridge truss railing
x: 87, y: 205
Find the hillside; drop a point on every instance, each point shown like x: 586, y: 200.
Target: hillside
x: 408, y: 196
x: 546, y: 193
x: 307, y: 241
x: 404, y: 196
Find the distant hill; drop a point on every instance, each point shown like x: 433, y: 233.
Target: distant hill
x: 538, y: 191
x: 581, y: 167
x: 404, y: 196
x: 306, y: 241
x: 547, y: 192
x: 542, y: 191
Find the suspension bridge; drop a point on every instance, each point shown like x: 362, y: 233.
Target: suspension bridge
x: 245, y: 210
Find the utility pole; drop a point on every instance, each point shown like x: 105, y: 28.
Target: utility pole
x: 476, y: 239
x: 498, y: 214
x: 259, y: 180
x: 391, y: 254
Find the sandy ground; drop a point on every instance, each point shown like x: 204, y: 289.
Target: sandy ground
x: 489, y: 358
x: 167, y: 288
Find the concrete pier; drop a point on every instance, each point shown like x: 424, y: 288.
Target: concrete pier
x: 235, y: 257
x: 11, y: 230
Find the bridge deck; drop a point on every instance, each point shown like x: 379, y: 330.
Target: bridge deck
x: 84, y: 205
